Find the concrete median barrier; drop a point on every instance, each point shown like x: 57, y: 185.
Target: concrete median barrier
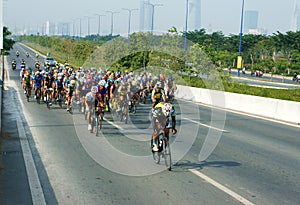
x: 282, y: 110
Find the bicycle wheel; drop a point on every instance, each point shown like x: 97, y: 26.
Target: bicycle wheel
x: 38, y: 96
x: 156, y: 155
x: 97, y: 127
x: 167, y: 154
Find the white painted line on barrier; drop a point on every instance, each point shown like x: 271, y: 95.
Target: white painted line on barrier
x: 221, y: 187
x: 204, y: 125
x: 37, y: 194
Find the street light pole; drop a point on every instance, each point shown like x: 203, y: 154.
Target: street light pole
x: 112, y: 22
x: 99, y: 22
x: 240, y: 59
x: 153, y: 8
x: 129, y: 18
x: 186, y: 22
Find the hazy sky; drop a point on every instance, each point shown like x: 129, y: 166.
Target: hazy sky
x: 217, y: 15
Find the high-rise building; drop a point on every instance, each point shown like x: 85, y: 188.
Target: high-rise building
x: 295, y: 25
x: 145, y: 15
x: 47, y: 29
x: 195, y: 15
x: 251, y: 21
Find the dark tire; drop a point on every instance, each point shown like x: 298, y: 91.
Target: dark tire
x: 167, y: 155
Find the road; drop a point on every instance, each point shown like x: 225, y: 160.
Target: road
x: 266, y: 81
x: 256, y: 161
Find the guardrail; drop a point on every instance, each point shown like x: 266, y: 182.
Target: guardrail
x: 282, y: 110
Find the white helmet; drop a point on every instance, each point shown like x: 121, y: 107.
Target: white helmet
x: 102, y: 82
x: 166, y: 109
x: 94, y: 89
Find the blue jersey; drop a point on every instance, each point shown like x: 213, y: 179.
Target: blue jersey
x: 38, y: 80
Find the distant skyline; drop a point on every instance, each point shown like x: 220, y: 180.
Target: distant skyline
x: 216, y: 15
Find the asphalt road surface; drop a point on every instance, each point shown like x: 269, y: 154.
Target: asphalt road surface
x: 255, y: 161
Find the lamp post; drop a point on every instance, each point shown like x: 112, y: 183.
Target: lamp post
x: 153, y: 8
x: 186, y: 21
x: 240, y: 59
x: 112, y: 22
x: 99, y: 22
x: 129, y: 18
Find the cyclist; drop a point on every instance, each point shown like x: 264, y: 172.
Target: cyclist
x: 171, y: 87
x: 48, y: 85
x: 14, y: 64
x: 89, y: 102
x: 36, y: 55
x: 27, y: 54
x: 38, y: 82
x: 158, y: 94
x: 27, y: 83
x: 59, y: 87
x: 163, y: 117
x: 17, y: 53
x: 70, y: 92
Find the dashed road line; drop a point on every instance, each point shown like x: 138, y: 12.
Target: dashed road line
x: 221, y: 187
x: 204, y: 125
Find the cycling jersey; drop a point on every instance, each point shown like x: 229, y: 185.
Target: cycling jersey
x: 157, y: 95
x: 27, y: 81
x: 38, y: 81
x: 49, y: 81
x: 71, y: 89
x: 158, y: 116
x: 59, y: 84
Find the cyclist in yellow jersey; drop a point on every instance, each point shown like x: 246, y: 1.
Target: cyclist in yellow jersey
x: 163, y: 117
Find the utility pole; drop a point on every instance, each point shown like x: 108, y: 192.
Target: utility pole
x: 129, y: 18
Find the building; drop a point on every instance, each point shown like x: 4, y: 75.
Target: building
x: 195, y: 15
x: 145, y: 16
x: 251, y: 21
x: 295, y: 25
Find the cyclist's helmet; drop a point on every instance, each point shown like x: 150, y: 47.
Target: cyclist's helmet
x: 37, y: 73
x: 73, y: 82
x: 166, y: 109
x: 158, y: 84
x: 170, y: 76
x: 102, y: 82
x: 94, y: 89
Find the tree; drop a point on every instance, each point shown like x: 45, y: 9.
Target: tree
x: 7, y: 42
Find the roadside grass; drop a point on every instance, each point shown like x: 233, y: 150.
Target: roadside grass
x: 228, y: 84
x: 243, y: 88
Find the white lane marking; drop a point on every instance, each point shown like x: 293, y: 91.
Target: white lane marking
x: 221, y: 187
x: 113, y: 124
x: 243, y: 113
x: 204, y: 125
x: 36, y: 190
x: 37, y: 194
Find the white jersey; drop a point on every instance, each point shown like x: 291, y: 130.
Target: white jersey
x: 89, y: 97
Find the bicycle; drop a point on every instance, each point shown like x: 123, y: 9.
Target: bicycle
x: 97, y: 120
x: 38, y: 95
x: 48, y: 102
x: 28, y: 92
x: 164, y: 150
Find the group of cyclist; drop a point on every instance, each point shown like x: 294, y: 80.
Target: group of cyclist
x: 104, y: 90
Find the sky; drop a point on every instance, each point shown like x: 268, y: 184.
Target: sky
x: 216, y: 15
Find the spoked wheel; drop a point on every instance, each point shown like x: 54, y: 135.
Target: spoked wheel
x: 167, y: 155
x: 156, y: 155
x: 99, y: 124
x: 27, y: 95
